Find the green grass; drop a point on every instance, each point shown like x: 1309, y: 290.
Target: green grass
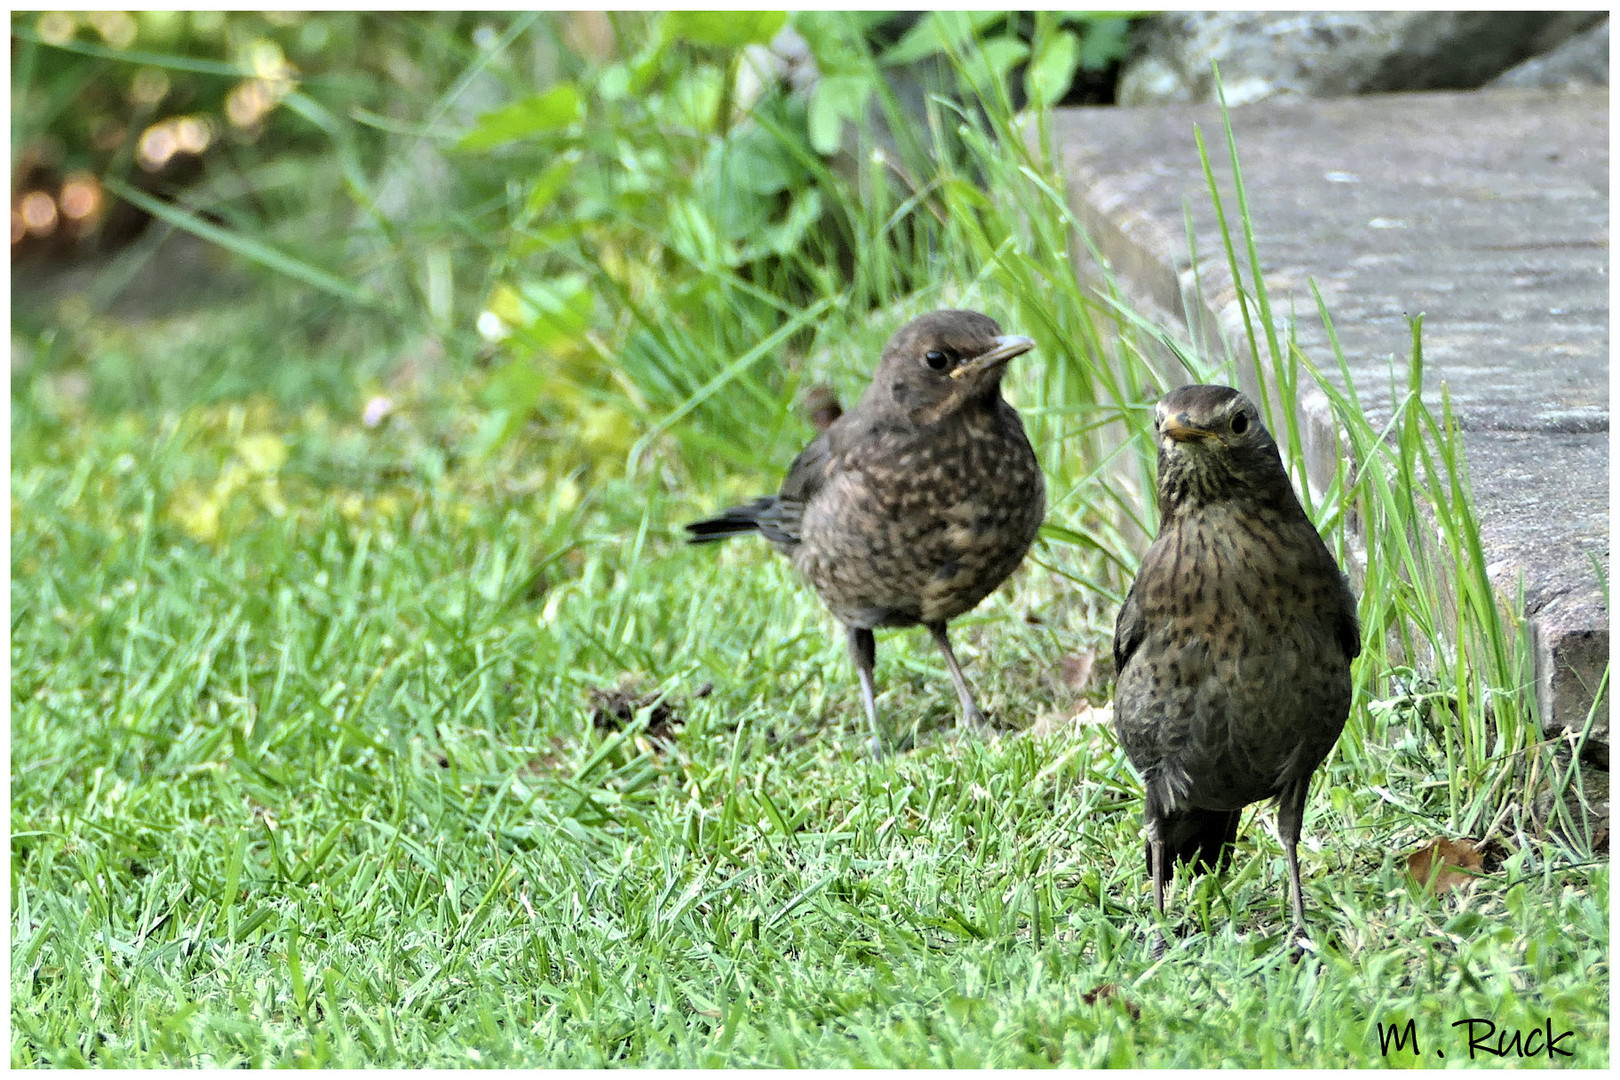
x: 330, y: 792
x: 306, y: 766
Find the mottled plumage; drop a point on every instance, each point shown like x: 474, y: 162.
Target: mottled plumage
x: 1234, y: 645
x: 914, y: 505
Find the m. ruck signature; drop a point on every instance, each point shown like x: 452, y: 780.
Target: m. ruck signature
x: 1484, y: 1037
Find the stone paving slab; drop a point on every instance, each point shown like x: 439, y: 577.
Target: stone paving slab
x: 1487, y: 212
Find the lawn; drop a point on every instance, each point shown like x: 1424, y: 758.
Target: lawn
x: 428, y: 742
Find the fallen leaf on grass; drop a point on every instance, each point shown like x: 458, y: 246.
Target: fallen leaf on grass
x: 1104, y: 991
x: 615, y: 709
x: 1446, y: 864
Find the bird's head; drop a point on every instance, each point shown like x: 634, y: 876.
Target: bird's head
x: 940, y: 362
x: 1213, y: 446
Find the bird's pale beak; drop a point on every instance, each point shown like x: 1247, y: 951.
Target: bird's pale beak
x: 1007, y: 346
x: 1179, y: 428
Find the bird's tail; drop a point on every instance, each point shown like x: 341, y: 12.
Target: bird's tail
x: 1204, y: 838
x: 732, y: 522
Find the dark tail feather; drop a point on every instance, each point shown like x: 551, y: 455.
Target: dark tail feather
x: 733, y: 522
x: 1204, y: 838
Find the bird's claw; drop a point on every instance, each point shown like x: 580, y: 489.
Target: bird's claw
x: 1300, y: 943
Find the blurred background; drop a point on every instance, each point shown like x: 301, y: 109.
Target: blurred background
x: 341, y: 208
x: 353, y: 203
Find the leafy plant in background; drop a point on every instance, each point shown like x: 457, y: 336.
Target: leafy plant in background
x: 991, y: 45
x: 667, y: 225
x: 661, y: 205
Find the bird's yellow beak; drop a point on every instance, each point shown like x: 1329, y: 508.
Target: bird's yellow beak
x: 1007, y: 347
x: 1180, y: 429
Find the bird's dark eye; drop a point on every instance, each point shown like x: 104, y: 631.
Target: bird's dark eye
x: 1240, y: 423
x: 937, y: 360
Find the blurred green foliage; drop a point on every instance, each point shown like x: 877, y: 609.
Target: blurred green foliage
x: 87, y: 86
x: 711, y: 180
x: 617, y: 210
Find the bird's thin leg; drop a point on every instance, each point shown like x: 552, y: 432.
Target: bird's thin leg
x: 863, y: 651
x: 971, y: 716
x: 1156, y: 861
x: 1291, y: 848
x: 1290, y: 816
x: 1156, y: 867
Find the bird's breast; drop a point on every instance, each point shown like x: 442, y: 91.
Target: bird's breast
x: 1239, y: 676
x: 923, y: 526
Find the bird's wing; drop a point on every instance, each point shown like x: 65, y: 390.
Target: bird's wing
x: 778, y: 517
x: 1342, y: 606
x: 1127, y: 630
x: 1348, y: 628
x: 808, y: 473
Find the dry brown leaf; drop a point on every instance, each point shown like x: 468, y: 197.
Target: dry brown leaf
x: 1460, y: 861
x: 613, y: 710
x: 1104, y: 991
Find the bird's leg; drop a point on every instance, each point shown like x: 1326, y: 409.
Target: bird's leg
x: 1290, y: 816
x: 1155, y: 816
x: 863, y: 651
x: 971, y: 716
x: 1156, y: 867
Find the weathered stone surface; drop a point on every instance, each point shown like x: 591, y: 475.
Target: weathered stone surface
x: 1488, y: 213
x: 1335, y: 53
x: 1582, y: 62
x: 1544, y: 524
x: 1586, y: 802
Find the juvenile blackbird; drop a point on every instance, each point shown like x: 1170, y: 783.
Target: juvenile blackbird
x: 1233, y: 647
x: 914, y: 505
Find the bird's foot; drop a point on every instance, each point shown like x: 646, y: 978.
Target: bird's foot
x: 1300, y: 943
x: 1159, y: 945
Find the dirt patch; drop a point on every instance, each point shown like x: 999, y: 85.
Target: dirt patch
x: 614, y: 709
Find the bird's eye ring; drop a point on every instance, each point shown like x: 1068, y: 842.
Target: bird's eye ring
x: 937, y: 360
x: 1240, y: 423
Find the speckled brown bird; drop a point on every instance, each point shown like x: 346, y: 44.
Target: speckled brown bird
x: 1233, y: 647
x: 914, y: 505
